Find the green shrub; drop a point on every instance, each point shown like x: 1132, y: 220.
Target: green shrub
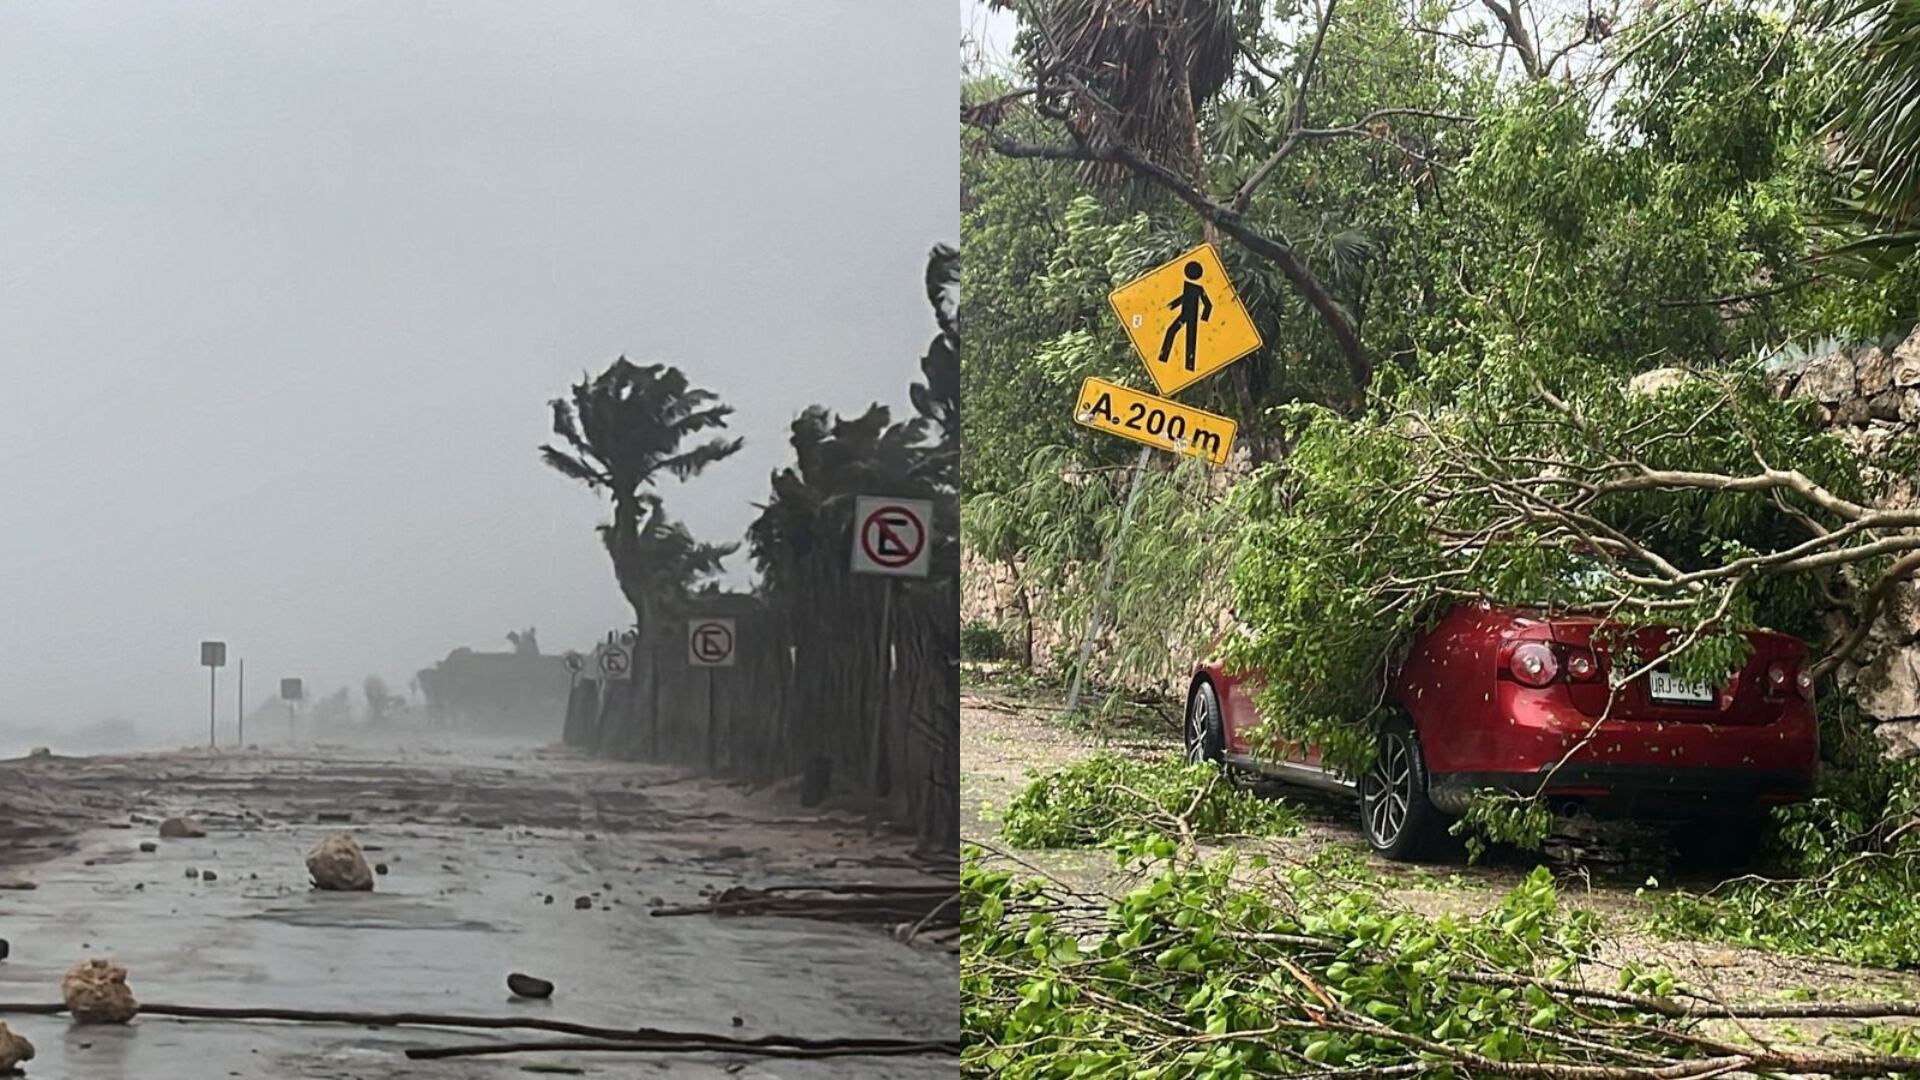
x: 982, y: 641
x: 1109, y: 797
x: 1852, y: 885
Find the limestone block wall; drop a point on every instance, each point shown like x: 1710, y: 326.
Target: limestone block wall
x: 1870, y: 397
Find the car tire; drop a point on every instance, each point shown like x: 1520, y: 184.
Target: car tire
x: 1718, y: 844
x: 1395, y: 814
x: 1206, y: 734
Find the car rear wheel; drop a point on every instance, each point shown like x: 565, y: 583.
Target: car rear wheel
x: 1394, y: 812
x: 1718, y: 843
x: 1206, y: 735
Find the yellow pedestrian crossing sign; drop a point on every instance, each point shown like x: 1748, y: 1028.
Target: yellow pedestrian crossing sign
x: 1185, y: 320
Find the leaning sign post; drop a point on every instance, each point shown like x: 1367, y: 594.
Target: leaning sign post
x: 892, y: 538
x: 213, y: 657
x: 291, y: 692
x: 1186, y: 322
x: 711, y: 643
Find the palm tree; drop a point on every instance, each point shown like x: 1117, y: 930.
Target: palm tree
x: 624, y: 429
x: 1147, y: 68
x: 675, y: 563
x: 938, y: 399
x: 1874, y: 67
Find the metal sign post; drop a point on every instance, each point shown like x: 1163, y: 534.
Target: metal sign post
x: 291, y: 691
x: 1187, y: 300
x: 1106, y: 580
x: 213, y: 656
x: 240, y: 708
x: 891, y: 538
x: 711, y: 643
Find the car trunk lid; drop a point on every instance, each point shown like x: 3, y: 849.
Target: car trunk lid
x: 1746, y: 697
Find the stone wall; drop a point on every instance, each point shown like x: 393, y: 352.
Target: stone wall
x: 1870, y: 397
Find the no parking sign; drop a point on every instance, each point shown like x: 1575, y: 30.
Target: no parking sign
x: 892, y: 536
x: 711, y: 642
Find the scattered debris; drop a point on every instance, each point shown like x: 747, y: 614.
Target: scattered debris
x: 334, y: 816
x: 192, y: 873
x: 930, y: 907
x: 529, y: 986
x: 17, y: 885
x: 182, y: 828
x: 338, y: 866
x: 588, y: 1036
x: 208, y: 875
x: 380, y: 868
x: 14, y: 1049
x: 582, y: 903
x: 149, y: 846
x: 96, y: 992
x: 4, y: 948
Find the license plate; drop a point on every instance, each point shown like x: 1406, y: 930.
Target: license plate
x: 1662, y: 686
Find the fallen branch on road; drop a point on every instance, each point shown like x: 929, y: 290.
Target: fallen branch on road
x: 933, y: 906
x: 1285, y: 972
x: 660, y: 1040
x: 824, y: 1048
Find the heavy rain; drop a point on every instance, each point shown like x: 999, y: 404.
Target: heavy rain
x: 480, y: 542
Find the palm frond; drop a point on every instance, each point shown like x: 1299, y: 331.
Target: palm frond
x: 574, y: 467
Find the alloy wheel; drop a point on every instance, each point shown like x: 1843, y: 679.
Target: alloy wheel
x: 1390, y: 790
x: 1196, y: 728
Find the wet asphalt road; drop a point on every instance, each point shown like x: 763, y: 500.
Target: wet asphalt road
x: 475, y: 842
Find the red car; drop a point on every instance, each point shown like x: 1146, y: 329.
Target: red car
x: 1496, y: 696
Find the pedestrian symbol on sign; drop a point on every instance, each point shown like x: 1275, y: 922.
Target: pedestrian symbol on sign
x: 1207, y: 319
x: 1192, y: 302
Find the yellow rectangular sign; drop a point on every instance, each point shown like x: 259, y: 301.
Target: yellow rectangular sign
x: 1162, y: 424
x: 1185, y: 320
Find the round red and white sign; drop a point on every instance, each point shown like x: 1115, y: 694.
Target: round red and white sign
x: 710, y: 642
x: 893, y: 535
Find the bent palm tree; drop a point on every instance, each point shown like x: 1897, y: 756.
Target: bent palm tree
x: 624, y: 429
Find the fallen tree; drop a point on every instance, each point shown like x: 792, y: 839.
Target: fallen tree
x: 1702, y: 503
x: 1226, y: 969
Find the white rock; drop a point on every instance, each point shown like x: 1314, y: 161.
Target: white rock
x: 179, y: 827
x: 338, y: 865
x: 1828, y: 380
x: 96, y: 992
x: 1649, y: 383
x: 14, y: 1049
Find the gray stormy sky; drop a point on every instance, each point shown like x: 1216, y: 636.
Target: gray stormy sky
x: 284, y: 290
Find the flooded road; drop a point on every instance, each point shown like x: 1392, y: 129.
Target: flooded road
x: 487, y: 853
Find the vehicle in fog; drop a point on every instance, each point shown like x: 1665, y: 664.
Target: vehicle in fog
x: 1516, y: 700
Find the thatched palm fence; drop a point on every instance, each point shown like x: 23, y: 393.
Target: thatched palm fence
x: 801, y: 701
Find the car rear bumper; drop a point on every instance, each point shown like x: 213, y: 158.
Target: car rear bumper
x: 1644, y: 791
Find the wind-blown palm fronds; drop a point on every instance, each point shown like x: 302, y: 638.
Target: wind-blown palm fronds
x: 1874, y: 69
x: 622, y: 430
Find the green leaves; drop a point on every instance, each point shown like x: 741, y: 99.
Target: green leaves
x: 1114, y: 800
x: 1213, y: 968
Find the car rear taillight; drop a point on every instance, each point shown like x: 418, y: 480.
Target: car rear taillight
x: 1581, y: 666
x: 1533, y: 664
x: 1804, y: 681
x: 1778, y: 678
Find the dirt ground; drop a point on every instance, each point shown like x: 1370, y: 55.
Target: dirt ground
x: 1006, y: 734
x: 487, y: 850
